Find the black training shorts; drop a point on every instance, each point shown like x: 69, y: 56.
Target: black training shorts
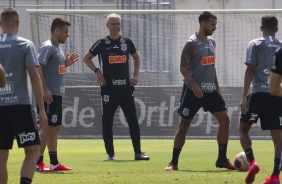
x: 190, y: 104
x: 18, y: 121
x: 54, y: 111
x: 266, y: 107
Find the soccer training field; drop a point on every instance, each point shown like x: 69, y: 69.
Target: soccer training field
x: 87, y: 158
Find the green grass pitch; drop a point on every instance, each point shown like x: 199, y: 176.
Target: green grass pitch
x: 87, y: 158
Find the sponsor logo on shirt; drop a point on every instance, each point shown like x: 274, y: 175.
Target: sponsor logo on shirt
x: 62, y: 69
x: 62, y: 89
x: 24, y: 137
x: 117, y: 59
x: 3, y: 46
x: 254, y: 117
x: 116, y: 47
x: 207, y: 86
x: 119, y: 82
x: 8, y: 89
x: 269, y: 44
x: 208, y: 60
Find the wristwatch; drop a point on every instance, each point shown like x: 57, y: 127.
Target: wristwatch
x: 96, y: 70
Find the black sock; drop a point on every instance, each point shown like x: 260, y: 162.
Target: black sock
x: 249, y: 154
x: 276, y: 168
x: 40, y: 160
x: 175, y: 156
x: 25, y: 180
x: 222, y: 149
x: 53, y: 157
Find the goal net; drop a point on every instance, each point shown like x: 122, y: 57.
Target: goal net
x: 159, y: 36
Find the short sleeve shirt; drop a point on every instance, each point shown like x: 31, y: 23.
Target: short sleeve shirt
x: 260, y: 53
x: 52, y: 57
x: 114, y: 59
x: 17, y: 54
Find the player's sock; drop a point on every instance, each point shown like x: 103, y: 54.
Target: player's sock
x: 175, y: 156
x: 40, y: 160
x: 276, y: 168
x: 250, y: 156
x: 222, y: 149
x: 53, y: 157
x: 25, y: 180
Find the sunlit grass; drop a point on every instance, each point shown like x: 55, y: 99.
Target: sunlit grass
x: 87, y: 158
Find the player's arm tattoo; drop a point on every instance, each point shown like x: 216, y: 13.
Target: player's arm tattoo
x: 188, y: 52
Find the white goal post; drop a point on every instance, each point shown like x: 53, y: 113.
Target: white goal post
x: 159, y: 36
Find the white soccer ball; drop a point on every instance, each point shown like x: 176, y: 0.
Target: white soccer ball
x: 241, y: 162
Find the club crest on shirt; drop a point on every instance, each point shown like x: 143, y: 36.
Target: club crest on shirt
x: 211, y: 46
x: 123, y: 47
x: 106, y: 98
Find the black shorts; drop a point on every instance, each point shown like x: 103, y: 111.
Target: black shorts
x: 18, y: 121
x: 54, y: 111
x: 266, y: 107
x: 190, y: 104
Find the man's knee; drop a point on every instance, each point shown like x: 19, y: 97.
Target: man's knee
x: 32, y: 151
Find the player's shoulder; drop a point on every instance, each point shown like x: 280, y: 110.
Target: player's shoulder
x: 211, y: 39
x: 104, y: 40
x: 47, y: 44
x: 192, y: 41
x: 256, y: 41
x: 47, y: 47
x: 124, y: 39
x: 24, y: 40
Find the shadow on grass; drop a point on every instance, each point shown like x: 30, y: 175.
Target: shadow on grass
x: 55, y: 172
x: 120, y: 161
x: 208, y: 170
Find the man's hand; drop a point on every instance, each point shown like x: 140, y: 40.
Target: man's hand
x: 71, y: 58
x: 243, y: 105
x: 47, y: 96
x: 197, y: 91
x: 134, y: 80
x: 100, y: 78
x: 43, y: 120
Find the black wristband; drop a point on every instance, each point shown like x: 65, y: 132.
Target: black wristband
x: 96, y: 70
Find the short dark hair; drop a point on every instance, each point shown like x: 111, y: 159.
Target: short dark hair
x: 9, y: 15
x: 269, y: 22
x: 206, y: 15
x: 59, y: 23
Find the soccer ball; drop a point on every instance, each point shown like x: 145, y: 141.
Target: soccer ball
x: 241, y: 162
